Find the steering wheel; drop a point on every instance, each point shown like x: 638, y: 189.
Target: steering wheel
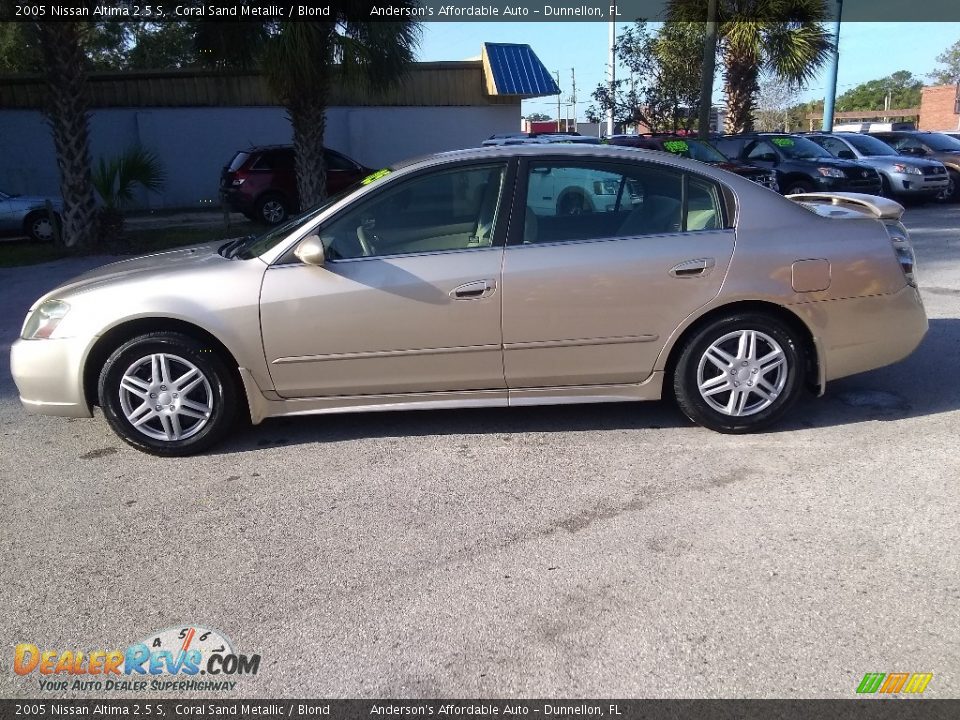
x: 366, y: 241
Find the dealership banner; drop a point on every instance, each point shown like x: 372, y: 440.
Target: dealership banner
x: 488, y: 709
x: 429, y: 10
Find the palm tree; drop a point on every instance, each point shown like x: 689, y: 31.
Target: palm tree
x: 785, y: 39
x: 304, y: 60
x: 64, y: 65
x: 115, y: 181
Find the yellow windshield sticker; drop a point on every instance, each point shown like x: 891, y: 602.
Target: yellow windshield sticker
x: 373, y: 177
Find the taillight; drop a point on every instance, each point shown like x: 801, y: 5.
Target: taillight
x: 903, y: 250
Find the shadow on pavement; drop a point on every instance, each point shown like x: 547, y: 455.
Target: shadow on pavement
x: 919, y: 386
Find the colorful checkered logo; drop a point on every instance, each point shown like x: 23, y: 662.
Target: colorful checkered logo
x: 894, y: 683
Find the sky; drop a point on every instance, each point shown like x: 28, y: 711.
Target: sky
x: 868, y: 51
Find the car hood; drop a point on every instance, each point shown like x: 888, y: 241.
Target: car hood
x: 886, y: 161
x: 741, y: 168
x: 161, y: 264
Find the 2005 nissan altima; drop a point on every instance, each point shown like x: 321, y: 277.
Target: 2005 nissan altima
x: 520, y: 275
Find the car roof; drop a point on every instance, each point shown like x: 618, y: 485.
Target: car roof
x: 561, y: 150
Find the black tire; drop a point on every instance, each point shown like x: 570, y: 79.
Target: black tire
x: 952, y: 193
x: 795, y: 187
x: 219, y: 392
x: 38, y: 226
x: 272, y: 209
x: 885, y: 188
x: 686, y: 382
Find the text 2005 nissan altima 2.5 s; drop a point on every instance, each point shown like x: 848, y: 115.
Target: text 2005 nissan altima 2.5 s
x: 519, y: 275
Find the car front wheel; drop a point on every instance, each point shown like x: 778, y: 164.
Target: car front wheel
x: 167, y: 394
x: 739, y: 374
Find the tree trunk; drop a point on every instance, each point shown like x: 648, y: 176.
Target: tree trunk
x: 309, y: 118
x: 66, y: 110
x: 741, y: 84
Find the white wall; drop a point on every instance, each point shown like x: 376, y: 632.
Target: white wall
x: 194, y: 143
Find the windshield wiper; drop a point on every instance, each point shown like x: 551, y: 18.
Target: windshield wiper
x: 229, y: 250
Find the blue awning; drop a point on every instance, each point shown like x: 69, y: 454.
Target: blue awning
x: 515, y: 70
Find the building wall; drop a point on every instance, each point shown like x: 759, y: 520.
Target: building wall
x: 937, y: 108
x: 195, y: 142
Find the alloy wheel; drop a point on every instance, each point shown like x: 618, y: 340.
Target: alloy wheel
x: 166, y: 397
x: 42, y: 229
x: 273, y: 211
x: 742, y: 373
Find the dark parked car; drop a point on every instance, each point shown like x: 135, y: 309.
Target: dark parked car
x: 930, y: 145
x: 696, y: 149
x: 801, y: 165
x: 27, y: 215
x: 261, y: 182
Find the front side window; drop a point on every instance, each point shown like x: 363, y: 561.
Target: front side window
x: 571, y: 202
x: 439, y: 211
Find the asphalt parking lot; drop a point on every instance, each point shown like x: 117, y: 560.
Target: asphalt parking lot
x: 610, y: 550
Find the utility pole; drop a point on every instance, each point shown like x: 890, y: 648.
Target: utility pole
x: 831, y: 97
x: 612, y: 75
x: 707, y: 70
x: 573, y: 95
x: 557, y: 73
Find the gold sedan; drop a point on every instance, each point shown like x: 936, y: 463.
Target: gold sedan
x: 517, y: 275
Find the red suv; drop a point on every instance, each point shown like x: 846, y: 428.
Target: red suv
x: 261, y: 182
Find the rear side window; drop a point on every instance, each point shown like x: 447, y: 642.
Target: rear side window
x: 731, y: 147
x: 238, y: 160
x: 591, y: 201
x: 336, y: 161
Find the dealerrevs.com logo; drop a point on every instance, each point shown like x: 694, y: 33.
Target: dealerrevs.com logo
x: 181, y: 658
x: 894, y: 683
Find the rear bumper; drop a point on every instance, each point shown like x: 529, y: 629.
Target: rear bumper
x: 49, y: 377
x: 861, y: 334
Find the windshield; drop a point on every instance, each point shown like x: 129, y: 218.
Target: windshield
x: 798, y: 148
x: 256, y: 245
x: 869, y: 145
x: 696, y: 149
x: 941, y: 142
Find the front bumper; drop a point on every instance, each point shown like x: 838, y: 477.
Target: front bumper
x: 49, y: 376
x: 903, y: 184
x: 868, y: 186
x: 236, y: 200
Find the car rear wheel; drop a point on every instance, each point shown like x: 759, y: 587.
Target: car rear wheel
x: 39, y: 226
x: 167, y: 394
x: 739, y: 374
x: 272, y: 209
x: 797, y: 187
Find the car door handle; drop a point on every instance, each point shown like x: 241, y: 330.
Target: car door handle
x: 474, y: 290
x: 693, y: 268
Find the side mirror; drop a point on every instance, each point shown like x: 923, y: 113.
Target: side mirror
x: 310, y: 251
x: 846, y: 155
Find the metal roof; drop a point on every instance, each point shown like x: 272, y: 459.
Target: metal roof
x: 515, y: 70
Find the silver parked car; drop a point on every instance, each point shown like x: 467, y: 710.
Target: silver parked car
x: 27, y: 215
x: 902, y: 176
x: 461, y: 280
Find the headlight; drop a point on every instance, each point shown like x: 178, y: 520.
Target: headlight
x: 830, y: 172
x: 41, y: 323
x: 907, y: 169
x: 238, y: 182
